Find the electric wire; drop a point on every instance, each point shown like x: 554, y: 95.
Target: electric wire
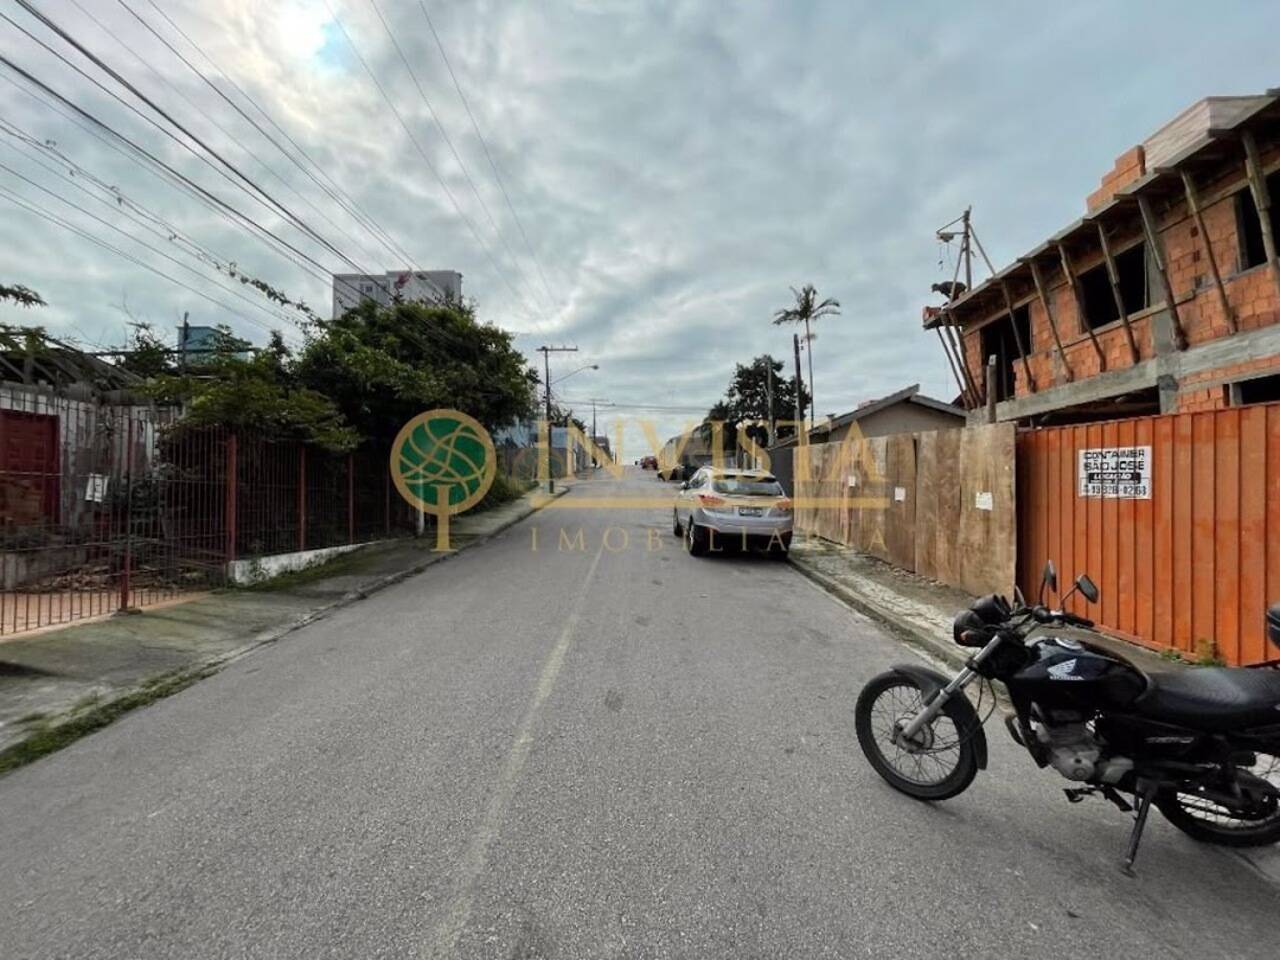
x: 315, y: 171
x: 422, y: 93
x: 44, y: 214
x: 427, y: 160
x: 278, y: 243
x: 488, y: 155
x: 279, y: 318
x: 329, y: 189
x: 250, y: 186
x: 238, y: 141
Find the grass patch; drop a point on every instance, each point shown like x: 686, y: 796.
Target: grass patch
x: 48, y: 737
x: 342, y: 563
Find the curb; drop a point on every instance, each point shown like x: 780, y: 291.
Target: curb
x: 938, y: 649
x: 194, y: 672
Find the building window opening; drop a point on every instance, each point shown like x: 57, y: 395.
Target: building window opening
x: 1257, y: 390
x: 1249, y: 227
x: 998, y: 341
x: 1100, y: 301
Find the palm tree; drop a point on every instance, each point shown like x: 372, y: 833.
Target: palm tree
x: 807, y: 310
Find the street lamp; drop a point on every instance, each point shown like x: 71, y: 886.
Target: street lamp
x: 590, y: 366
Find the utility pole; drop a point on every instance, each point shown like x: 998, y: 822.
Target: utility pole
x: 546, y: 370
x: 795, y: 341
x: 593, y: 432
x: 808, y: 345
x: 186, y: 332
x: 966, y: 251
x: 768, y: 393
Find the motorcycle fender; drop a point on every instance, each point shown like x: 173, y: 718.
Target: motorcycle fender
x: 930, y: 682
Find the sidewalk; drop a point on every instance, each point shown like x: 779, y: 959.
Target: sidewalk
x: 58, y: 685
x: 916, y: 609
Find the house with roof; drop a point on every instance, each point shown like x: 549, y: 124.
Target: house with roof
x: 905, y: 411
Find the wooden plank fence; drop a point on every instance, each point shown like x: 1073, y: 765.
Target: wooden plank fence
x: 938, y: 503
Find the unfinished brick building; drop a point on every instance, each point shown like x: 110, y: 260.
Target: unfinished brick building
x: 1163, y: 298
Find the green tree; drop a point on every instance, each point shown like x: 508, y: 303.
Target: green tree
x: 148, y: 355
x: 257, y: 393
x: 747, y: 400
x: 22, y: 296
x: 383, y: 365
x: 807, y: 309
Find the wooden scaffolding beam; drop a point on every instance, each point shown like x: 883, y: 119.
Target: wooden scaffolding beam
x: 1113, y: 277
x: 1043, y: 294
x: 1156, y: 248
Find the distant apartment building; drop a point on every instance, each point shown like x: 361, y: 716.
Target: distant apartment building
x: 1164, y: 297
x: 426, y: 286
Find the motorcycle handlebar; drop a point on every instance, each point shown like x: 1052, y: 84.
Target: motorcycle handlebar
x: 1042, y: 614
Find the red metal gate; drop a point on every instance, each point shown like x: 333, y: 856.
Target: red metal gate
x: 1189, y: 569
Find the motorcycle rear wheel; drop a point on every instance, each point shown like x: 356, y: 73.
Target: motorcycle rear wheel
x: 1202, y: 819
x: 941, y: 766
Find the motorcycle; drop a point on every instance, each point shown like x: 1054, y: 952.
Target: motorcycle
x: 1202, y: 745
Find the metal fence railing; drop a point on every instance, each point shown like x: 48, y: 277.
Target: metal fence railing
x: 105, y: 508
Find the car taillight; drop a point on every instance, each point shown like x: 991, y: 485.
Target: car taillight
x: 708, y: 500
x: 782, y: 506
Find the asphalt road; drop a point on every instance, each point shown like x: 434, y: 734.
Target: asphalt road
x: 582, y: 750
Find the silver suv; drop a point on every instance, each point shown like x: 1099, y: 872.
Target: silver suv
x: 723, y: 506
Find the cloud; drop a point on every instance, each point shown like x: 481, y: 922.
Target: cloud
x: 676, y: 165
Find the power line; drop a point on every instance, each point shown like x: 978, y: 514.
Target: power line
x: 329, y: 189
x: 219, y: 127
x: 445, y: 135
x: 250, y: 185
x: 54, y: 218
x: 228, y: 211
x: 329, y: 186
x: 235, y: 293
x: 425, y: 158
x: 489, y: 156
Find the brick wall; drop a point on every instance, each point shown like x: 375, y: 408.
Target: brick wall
x: 1209, y: 389
x: 1129, y: 166
x: 1252, y: 293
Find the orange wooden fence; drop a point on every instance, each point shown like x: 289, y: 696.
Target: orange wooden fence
x: 1191, y: 567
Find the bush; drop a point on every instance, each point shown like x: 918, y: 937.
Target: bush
x: 504, y: 490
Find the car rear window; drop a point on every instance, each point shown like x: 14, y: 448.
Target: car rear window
x: 747, y: 486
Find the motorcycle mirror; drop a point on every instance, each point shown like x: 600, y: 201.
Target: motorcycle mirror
x: 1087, y: 588
x: 1049, y: 580
x: 1018, y: 598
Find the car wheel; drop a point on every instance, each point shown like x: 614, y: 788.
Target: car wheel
x: 696, y: 537
x: 675, y: 523
x: 781, y: 550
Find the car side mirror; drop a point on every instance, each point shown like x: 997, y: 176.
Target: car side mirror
x: 684, y: 484
x: 1087, y: 588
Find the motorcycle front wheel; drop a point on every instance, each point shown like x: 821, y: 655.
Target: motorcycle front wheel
x: 939, y: 764
x: 1200, y: 813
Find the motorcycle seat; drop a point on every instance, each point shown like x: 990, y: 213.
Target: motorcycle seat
x: 1213, y: 698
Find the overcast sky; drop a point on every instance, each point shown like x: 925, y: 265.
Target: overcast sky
x: 676, y: 166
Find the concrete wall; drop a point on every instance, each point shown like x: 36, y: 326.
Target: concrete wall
x: 258, y: 569
x: 92, y: 439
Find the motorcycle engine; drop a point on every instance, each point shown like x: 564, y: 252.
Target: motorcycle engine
x: 1071, y: 748
x: 1067, y: 741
